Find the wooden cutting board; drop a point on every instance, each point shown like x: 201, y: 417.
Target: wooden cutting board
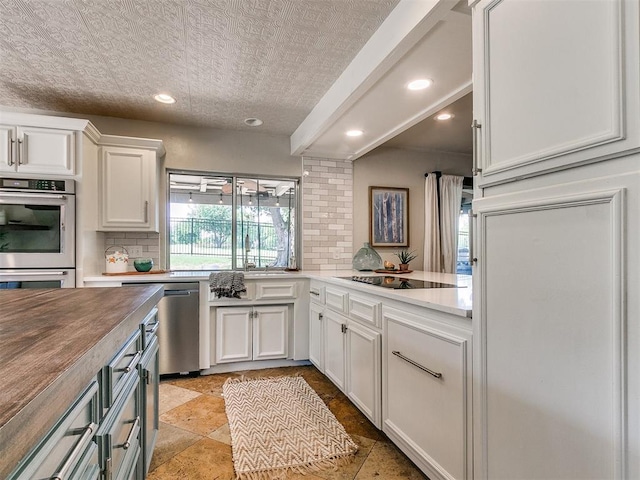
x: 136, y: 273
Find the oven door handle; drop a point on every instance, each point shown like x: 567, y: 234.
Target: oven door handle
x: 33, y: 195
x: 32, y: 273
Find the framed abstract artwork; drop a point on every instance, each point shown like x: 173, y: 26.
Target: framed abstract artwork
x: 388, y: 217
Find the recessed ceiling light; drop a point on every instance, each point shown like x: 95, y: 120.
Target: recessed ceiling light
x: 354, y: 133
x: 164, y: 98
x: 253, y: 122
x: 444, y: 116
x: 419, y: 84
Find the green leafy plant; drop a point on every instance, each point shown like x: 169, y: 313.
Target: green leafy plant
x: 405, y: 256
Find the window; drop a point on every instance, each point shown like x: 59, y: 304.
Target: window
x: 219, y: 222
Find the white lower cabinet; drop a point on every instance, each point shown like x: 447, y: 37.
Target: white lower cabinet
x: 425, y: 383
x: 363, y: 370
x: 334, y: 347
x: 251, y: 333
x: 316, y: 335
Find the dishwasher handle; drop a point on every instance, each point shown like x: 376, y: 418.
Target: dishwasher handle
x: 179, y: 293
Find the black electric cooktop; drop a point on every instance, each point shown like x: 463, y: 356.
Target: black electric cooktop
x: 397, y: 283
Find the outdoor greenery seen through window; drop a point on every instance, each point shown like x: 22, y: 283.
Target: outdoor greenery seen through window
x: 207, y: 234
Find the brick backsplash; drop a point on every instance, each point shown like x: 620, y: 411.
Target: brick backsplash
x: 327, y: 214
x: 150, y: 243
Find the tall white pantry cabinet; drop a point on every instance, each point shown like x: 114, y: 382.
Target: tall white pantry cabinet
x: 557, y: 239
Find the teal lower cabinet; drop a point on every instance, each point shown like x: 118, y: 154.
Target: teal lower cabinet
x: 68, y: 450
x: 118, y: 437
x: 149, y: 369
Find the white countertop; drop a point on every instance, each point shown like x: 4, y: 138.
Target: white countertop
x: 457, y: 301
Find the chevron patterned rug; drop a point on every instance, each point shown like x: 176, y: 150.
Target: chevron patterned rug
x: 280, y: 426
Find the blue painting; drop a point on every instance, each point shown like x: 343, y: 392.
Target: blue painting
x: 389, y: 217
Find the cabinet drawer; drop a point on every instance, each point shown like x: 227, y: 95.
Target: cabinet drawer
x: 88, y: 467
x: 275, y: 290
x: 148, y: 328
x: 316, y: 291
x: 336, y: 300
x: 425, y: 394
x: 118, y: 437
x: 115, y: 372
x: 365, y: 310
x: 65, y: 446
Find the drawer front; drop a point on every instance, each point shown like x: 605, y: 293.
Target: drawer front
x: 64, y: 447
x: 115, y: 373
x: 89, y: 467
x: 316, y: 292
x: 275, y: 290
x: 118, y: 437
x: 149, y: 327
x: 365, y: 310
x: 337, y: 300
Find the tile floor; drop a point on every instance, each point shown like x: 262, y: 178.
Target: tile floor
x: 194, y: 441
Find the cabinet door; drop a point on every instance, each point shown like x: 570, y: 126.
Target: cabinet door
x: 554, y: 85
x: 7, y: 148
x: 149, y: 381
x: 550, y: 355
x: 424, y: 395
x: 334, y: 347
x: 364, y: 371
x: 46, y: 151
x: 316, y: 336
x: 128, y: 189
x: 233, y: 334
x: 270, y: 332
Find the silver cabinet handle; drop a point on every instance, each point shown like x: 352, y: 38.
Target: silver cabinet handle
x: 127, y: 442
x: 108, y: 473
x: 314, y: 292
x: 32, y: 273
x: 134, y: 361
x: 146, y: 211
x: 32, y: 195
x: 20, y: 151
x: 10, y: 161
x: 344, y: 328
x: 416, y: 364
x: 70, y: 462
x: 475, y: 126
x: 152, y: 328
x: 472, y: 216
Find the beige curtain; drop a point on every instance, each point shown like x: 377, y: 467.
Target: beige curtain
x: 450, y: 200
x: 432, y: 251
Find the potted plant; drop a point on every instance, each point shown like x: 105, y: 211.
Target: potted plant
x: 405, y: 256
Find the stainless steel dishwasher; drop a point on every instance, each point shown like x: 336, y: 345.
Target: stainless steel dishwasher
x: 179, y: 331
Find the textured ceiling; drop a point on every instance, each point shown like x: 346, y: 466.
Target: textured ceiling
x: 224, y: 60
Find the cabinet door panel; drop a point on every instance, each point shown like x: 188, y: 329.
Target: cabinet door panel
x: 270, y: 332
x: 46, y: 151
x: 233, y: 334
x: 334, y: 343
x: 551, y: 342
x: 127, y: 182
x: 549, y: 84
x: 426, y: 412
x: 316, y: 336
x: 363, y: 371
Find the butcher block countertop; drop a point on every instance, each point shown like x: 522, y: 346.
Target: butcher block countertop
x: 53, y: 342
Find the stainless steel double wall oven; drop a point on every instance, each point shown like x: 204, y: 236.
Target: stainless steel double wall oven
x: 37, y: 233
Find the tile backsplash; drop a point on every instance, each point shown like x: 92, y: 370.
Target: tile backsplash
x: 327, y: 214
x: 149, y: 243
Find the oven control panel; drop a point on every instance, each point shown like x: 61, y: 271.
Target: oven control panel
x: 36, y: 184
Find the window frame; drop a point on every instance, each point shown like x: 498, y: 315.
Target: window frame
x: 234, y: 207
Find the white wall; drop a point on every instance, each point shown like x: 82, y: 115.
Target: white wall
x: 392, y: 167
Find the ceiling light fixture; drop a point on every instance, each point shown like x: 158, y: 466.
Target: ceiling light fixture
x: 420, y: 84
x: 253, y: 122
x: 354, y: 133
x: 250, y: 200
x: 277, y: 201
x: 445, y: 116
x: 190, y: 197
x: 220, y: 201
x: 164, y: 98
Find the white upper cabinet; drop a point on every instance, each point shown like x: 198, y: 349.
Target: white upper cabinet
x: 554, y: 85
x: 37, y: 150
x: 128, y: 184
